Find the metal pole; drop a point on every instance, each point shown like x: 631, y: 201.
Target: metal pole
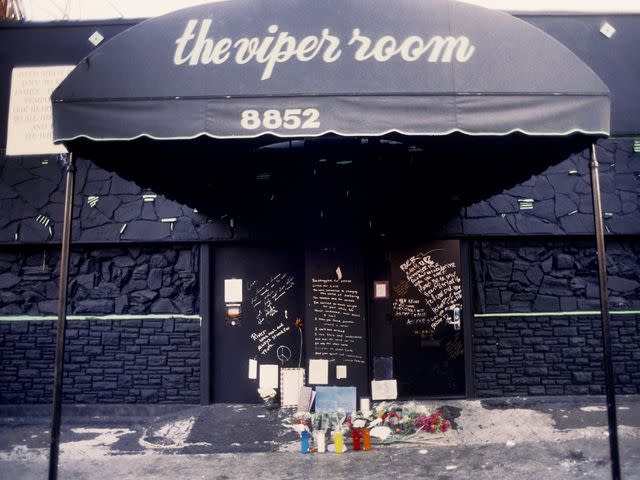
x: 62, y: 318
x: 604, y: 312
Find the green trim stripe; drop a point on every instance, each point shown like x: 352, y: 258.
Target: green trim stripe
x: 48, y: 318
x: 576, y: 313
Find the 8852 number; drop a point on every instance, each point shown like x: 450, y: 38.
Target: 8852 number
x: 290, y: 119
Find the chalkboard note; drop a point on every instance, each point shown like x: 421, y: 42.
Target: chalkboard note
x: 426, y: 286
x: 428, y: 348
x: 338, y: 320
x: 409, y: 310
x: 438, y: 282
x: 335, y: 324
x: 273, y: 304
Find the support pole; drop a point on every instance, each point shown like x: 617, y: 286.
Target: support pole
x: 604, y: 312
x: 62, y: 318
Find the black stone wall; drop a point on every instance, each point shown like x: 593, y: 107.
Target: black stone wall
x: 552, y: 355
x: 113, y: 280
x: 107, y: 361
x: 111, y: 209
x: 107, y: 208
x: 561, y: 198
x: 151, y: 360
x: 534, y: 275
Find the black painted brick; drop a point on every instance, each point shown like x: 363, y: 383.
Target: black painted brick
x: 110, y: 372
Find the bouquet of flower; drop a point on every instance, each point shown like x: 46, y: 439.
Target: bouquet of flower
x: 435, y: 423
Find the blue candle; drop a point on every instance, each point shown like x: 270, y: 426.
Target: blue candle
x: 304, y: 442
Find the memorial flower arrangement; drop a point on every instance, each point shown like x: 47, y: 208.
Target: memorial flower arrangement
x: 386, y: 422
x: 435, y: 423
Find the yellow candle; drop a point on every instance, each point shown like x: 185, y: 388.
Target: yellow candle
x: 337, y: 440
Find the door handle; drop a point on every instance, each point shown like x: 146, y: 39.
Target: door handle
x: 455, y: 317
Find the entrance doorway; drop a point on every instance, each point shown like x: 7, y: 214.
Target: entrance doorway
x: 266, y: 283
x: 423, y: 319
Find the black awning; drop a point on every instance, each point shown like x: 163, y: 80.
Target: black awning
x: 293, y: 68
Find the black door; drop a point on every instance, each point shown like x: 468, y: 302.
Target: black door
x: 426, y: 313
x: 265, y: 330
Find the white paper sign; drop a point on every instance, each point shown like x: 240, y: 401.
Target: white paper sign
x: 30, y: 126
x: 269, y: 376
x: 253, y: 369
x: 291, y: 381
x: 318, y: 372
x: 384, y: 390
x: 341, y: 371
x: 381, y: 290
x: 233, y: 290
x: 365, y: 405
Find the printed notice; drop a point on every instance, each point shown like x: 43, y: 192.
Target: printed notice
x: 341, y: 371
x: 30, y: 130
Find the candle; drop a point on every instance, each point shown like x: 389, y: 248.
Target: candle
x: 304, y: 442
x: 337, y: 440
x: 355, y: 436
x: 366, y: 440
x: 320, y: 443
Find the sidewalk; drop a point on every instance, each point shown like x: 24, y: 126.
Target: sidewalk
x: 536, y: 438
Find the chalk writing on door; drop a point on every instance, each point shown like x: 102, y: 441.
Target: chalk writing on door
x: 338, y: 320
x: 439, y: 285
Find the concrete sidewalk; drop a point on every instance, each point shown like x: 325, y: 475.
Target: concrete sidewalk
x: 536, y: 438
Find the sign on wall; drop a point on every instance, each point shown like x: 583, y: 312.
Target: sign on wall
x: 30, y: 129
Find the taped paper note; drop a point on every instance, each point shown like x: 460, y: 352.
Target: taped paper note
x: 268, y: 376
x: 233, y: 290
x: 341, y: 371
x: 384, y: 390
x: 291, y: 381
x: 253, y: 369
x: 318, y: 372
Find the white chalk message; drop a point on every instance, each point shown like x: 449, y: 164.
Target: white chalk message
x: 338, y: 320
x: 266, y: 338
x: 438, y: 283
x: 266, y: 297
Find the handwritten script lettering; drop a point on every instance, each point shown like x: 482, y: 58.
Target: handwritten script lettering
x: 196, y: 47
x: 438, y: 283
x: 265, y: 339
x: 338, y: 320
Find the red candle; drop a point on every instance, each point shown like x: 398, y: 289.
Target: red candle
x: 355, y: 435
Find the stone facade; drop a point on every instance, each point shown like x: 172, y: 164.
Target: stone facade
x: 111, y: 209
x: 560, y: 198
x: 147, y: 360
x: 114, y: 280
x: 553, y: 356
x: 107, y: 361
x: 545, y: 355
x: 533, y: 275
